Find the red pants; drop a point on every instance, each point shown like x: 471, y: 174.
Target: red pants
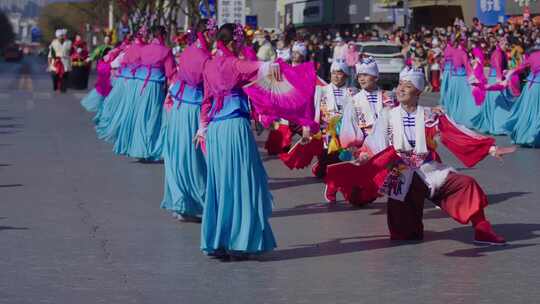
x: 436, y: 80
x: 460, y: 197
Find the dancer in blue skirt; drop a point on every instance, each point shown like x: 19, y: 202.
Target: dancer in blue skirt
x: 238, y: 202
x: 497, y: 106
x: 141, y: 132
x: 524, y: 123
x: 109, y: 117
x: 93, y: 101
x: 185, y: 164
x: 447, y: 71
x: 459, y: 100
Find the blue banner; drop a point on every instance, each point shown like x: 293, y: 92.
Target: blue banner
x: 204, y: 12
x: 252, y: 21
x: 491, y: 11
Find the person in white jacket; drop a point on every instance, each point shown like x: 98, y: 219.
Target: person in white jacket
x: 360, y: 115
x: 60, y: 48
x: 330, y: 100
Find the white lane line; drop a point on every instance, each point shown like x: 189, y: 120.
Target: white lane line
x: 42, y: 95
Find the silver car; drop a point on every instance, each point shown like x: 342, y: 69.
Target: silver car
x: 389, y: 60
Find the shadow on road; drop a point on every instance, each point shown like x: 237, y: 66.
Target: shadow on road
x: 11, y: 185
x: 269, y: 158
x: 502, y: 197
x: 314, y: 208
x: 292, y: 182
x: 379, y: 207
x: 512, y: 232
x: 12, y: 228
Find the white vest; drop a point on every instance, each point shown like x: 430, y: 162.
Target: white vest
x: 365, y: 114
x: 326, y: 101
x: 389, y: 130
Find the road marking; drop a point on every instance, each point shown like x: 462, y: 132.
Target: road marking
x: 42, y: 95
x: 79, y: 95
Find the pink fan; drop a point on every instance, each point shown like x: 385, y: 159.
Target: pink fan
x: 291, y: 98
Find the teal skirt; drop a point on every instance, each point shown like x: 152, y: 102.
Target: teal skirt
x: 140, y: 132
x: 524, y: 122
x: 108, y: 116
x: 494, y: 112
x: 444, y: 83
x: 238, y: 201
x: 92, y: 101
x: 185, y: 165
x: 459, y: 101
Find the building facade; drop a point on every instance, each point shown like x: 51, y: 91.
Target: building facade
x: 303, y: 13
x: 388, y: 13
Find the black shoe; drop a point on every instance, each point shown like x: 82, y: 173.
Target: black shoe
x: 239, y: 257
x: 218, y: 254
x: 189, y: 218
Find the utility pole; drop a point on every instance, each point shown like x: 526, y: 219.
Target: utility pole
x: 407, y: 16
x: 111, y: 15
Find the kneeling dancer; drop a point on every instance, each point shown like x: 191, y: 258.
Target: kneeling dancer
x: 411, y: 130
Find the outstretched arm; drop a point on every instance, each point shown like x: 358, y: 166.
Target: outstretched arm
x: 470, y: 148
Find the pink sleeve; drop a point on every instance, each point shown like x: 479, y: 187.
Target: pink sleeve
x: 206, y: 107
x: 497, y: 64
x: 169, y: 65
x: 467, y: 64
x: 470, y: 148
x: 247, y: 70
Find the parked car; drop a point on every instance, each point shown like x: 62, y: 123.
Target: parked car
x: 389, y: 60
x: 13, y: 53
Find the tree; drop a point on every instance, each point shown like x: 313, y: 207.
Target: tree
x: 71, y: 16
x: 161, y: 12
x: 74, y: 16
x: 6, y: 35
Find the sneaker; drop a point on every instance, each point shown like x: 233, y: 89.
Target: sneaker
x: 484, y: 234
x: 330, y: 194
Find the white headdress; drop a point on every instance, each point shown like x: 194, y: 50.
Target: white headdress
x: 339, y: 66
x: 58, y: 33
x: 415, y: 76
x: 367, y: 66
x: 300, y: 47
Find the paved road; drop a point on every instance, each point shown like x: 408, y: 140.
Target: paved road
x: 80, y: 225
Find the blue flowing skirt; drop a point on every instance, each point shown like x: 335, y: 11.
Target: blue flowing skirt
x: 92, y: 101
x: 238, y: 201
x: 140, y: 132
x: 459, y: 101
x: 524, y: 122
x: 494, y: 112
x: 444, y: 83
x: 108, y: 116
x: 185, y: 165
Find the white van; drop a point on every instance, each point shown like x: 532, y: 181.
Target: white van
x: 388, y: 57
